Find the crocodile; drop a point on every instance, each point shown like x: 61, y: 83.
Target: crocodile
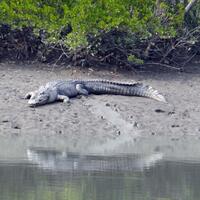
x: 63, y: 90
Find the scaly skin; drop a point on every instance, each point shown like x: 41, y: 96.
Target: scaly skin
x: 63, y: 90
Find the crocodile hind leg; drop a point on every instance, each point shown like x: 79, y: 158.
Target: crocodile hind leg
x: 63, y: 98
x: 81, y: 90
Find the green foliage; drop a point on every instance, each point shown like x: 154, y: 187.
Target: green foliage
x: 91, y: 17
x: 134, y: 59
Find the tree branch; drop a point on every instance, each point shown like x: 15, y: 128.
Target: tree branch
x: 190, y: 5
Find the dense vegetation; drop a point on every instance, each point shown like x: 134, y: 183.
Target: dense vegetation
x: 91, y: 32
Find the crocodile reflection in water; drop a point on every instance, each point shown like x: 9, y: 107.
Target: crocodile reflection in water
x: 64, y: 161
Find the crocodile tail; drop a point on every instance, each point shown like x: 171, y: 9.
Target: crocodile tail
x: 148, y: 91
x: 120, y: 88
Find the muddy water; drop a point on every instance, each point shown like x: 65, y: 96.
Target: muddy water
x: 162, y: 169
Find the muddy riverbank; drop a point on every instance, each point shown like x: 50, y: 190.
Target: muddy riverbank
x: 97, y: 119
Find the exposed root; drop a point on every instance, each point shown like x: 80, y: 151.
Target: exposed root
x: 118, y: 49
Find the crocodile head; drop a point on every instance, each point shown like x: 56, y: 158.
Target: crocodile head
x: 42, y: 96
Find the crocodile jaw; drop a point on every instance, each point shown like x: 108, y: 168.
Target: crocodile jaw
x: 38, y: 101
x: 44, y: 95
x: 39, y: 97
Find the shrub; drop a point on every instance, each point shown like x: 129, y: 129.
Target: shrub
x: 91, y: 17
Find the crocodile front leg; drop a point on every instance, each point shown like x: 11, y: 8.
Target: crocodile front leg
x: 63, y: 98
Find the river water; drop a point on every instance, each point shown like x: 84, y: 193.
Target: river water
x: 165, y: 169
